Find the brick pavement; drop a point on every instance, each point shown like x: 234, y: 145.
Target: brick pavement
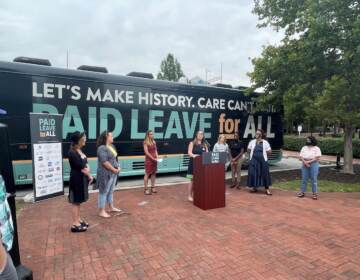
x: 254, y: 237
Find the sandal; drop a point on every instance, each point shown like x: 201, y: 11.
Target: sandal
x: 233, y: 186
x: 78, y: 228
x: 238, y: 187
x: 147, y: 191
x: 153, y: 190
x: 315, y: 196
x: 301, y: 194
x: 268, y: 192
x: 84, y: 223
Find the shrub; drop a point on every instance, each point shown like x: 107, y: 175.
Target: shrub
x: 328, y: 146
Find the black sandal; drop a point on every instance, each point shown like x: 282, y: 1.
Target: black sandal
x: 153, y: 190
x: 301, y: 194
x: 79, y: 228
x: 147, y: 191
x: 267, y: 192
x: 84, y: 223
x: 315, y: 196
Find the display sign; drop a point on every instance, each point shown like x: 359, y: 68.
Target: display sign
x: 46, y: 136
x: 214, y: 157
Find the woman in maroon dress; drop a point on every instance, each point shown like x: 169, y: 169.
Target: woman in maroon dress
x: 151, y: 156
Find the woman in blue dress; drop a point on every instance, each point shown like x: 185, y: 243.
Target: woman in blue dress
x: 258, y: 173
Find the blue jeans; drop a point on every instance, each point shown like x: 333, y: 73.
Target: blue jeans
x: 107, y: 196
x: 310, y: 173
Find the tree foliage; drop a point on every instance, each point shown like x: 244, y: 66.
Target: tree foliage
x: 315, y: 71
x: 170, y: 69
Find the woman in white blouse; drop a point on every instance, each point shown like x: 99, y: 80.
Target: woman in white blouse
x: 258, y: 172
x: 221, y: 146
x: 310, y: 155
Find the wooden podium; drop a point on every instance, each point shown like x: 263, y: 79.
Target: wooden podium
x: 209, y: 180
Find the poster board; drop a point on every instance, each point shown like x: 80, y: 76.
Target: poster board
x: 47, y: 160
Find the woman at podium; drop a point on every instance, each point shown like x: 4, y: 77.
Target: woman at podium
x: 258, y: 172
x: 196, y: 147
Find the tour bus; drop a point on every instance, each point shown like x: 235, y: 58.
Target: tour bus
x: 92, y: 100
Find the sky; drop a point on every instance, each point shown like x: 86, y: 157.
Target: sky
x: 135, y: 35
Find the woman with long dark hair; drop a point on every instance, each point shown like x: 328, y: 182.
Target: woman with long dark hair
x: 196, y: 147
x: 151, y: 156
x: 80, y: 178
x: 107, y: 173
x: 258, y: 172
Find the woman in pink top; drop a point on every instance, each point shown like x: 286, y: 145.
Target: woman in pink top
x: 310, y: 156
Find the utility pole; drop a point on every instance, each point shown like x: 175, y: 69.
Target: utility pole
x: 206, y: 75
x: 221, y: 72
x: 67, y: 58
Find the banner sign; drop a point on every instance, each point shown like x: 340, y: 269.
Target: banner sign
x: 174, y: 113
x: 46, y: 142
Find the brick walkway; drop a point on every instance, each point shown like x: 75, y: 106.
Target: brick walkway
x: 254, y: 237
x: 323, y: 157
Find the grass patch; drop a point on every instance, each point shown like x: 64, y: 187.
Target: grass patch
x: 323, y: 186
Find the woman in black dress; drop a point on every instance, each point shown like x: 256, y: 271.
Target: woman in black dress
x: 80, y: 178
x: 196, y: 147
x: 258, y: 172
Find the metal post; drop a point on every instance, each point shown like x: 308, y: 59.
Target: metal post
x: 67, y: 58
x: 338, y: 166
x: 221, y: 72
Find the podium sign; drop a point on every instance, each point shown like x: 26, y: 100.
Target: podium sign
x: 209, y: 180
x: 46, y: 137
x: 214, y: 157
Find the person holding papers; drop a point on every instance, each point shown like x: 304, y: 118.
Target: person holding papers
x: 151, y: 160
x: 222, y: 146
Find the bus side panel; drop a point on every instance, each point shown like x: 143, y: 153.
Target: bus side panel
x: 130, y: 166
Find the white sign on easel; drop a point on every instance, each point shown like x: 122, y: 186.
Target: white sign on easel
x: 46, y: 140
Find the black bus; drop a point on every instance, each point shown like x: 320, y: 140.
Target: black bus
x: 128, y: 106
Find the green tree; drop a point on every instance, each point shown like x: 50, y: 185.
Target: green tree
x: 170, y: 69
x: 315, y: 71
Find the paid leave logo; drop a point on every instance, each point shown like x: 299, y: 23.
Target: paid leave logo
x: 47, y: 127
